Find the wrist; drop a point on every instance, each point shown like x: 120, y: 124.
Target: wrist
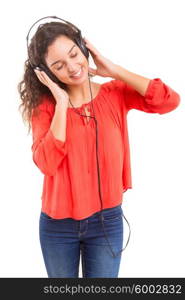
x: 118, y: 72
x: 61, y: 105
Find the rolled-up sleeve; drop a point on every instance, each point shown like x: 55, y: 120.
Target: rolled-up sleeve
x: 159, y: 98
x: 47, y: 151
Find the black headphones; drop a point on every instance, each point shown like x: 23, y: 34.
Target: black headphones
x: 79, y: 41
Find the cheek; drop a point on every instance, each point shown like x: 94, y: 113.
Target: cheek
x: 82, y: 60
x: 61, y: 76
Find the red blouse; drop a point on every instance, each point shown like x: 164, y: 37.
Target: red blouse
x: 70, y: 185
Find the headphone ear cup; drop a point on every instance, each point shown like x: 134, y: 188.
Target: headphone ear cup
x: 48, y: 72
x: 42, y: 67
x: 86, y: 51
x: 81, y: 44
x: 37, y: 68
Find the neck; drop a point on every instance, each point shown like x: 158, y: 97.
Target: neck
x: 81, y: 93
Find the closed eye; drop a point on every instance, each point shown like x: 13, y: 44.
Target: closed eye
x: 62, y: 65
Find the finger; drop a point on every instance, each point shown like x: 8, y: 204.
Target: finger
x: 92, y: 71
x: 38, y: 73
x: 46, y: 78
x: 40, y: 76
x: 90, y: 46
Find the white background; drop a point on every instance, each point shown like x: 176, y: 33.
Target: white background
x: 145, y: 37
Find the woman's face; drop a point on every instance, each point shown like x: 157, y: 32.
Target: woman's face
x: 65, y: 59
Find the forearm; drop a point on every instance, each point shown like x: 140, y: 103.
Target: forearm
x: 58, y: 124
x: 138, y: 82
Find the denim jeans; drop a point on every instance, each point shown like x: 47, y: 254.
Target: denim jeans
x: 63, y: 240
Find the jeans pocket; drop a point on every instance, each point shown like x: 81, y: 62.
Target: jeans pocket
x: 113, y: 214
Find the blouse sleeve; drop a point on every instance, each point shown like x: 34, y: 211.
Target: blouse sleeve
x: 48, y: 152
x: 159, y: 97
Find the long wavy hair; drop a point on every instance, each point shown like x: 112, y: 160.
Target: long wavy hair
x: 30, y: 88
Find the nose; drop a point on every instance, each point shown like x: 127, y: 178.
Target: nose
x: 71, y: 69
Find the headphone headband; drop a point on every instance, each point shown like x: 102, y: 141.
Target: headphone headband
x: 54, y: 17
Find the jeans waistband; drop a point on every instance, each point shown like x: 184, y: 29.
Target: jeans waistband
x: 106, y: 209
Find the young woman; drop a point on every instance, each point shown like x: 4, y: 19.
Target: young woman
x: 64, y: 148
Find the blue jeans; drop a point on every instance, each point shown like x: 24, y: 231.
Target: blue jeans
x: 62, y: 240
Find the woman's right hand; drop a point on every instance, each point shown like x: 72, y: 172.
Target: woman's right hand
x: 60, y: 95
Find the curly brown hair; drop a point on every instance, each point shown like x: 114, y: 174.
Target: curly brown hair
x: 30, y: 88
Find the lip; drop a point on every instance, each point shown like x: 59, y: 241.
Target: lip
x: 78, y: 76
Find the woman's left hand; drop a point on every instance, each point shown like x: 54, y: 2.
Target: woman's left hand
x: 105, y: 67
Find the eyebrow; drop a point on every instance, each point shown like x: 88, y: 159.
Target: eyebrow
x: 59, y: 59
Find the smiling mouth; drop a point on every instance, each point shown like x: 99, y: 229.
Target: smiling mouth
x: 78, y: 74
